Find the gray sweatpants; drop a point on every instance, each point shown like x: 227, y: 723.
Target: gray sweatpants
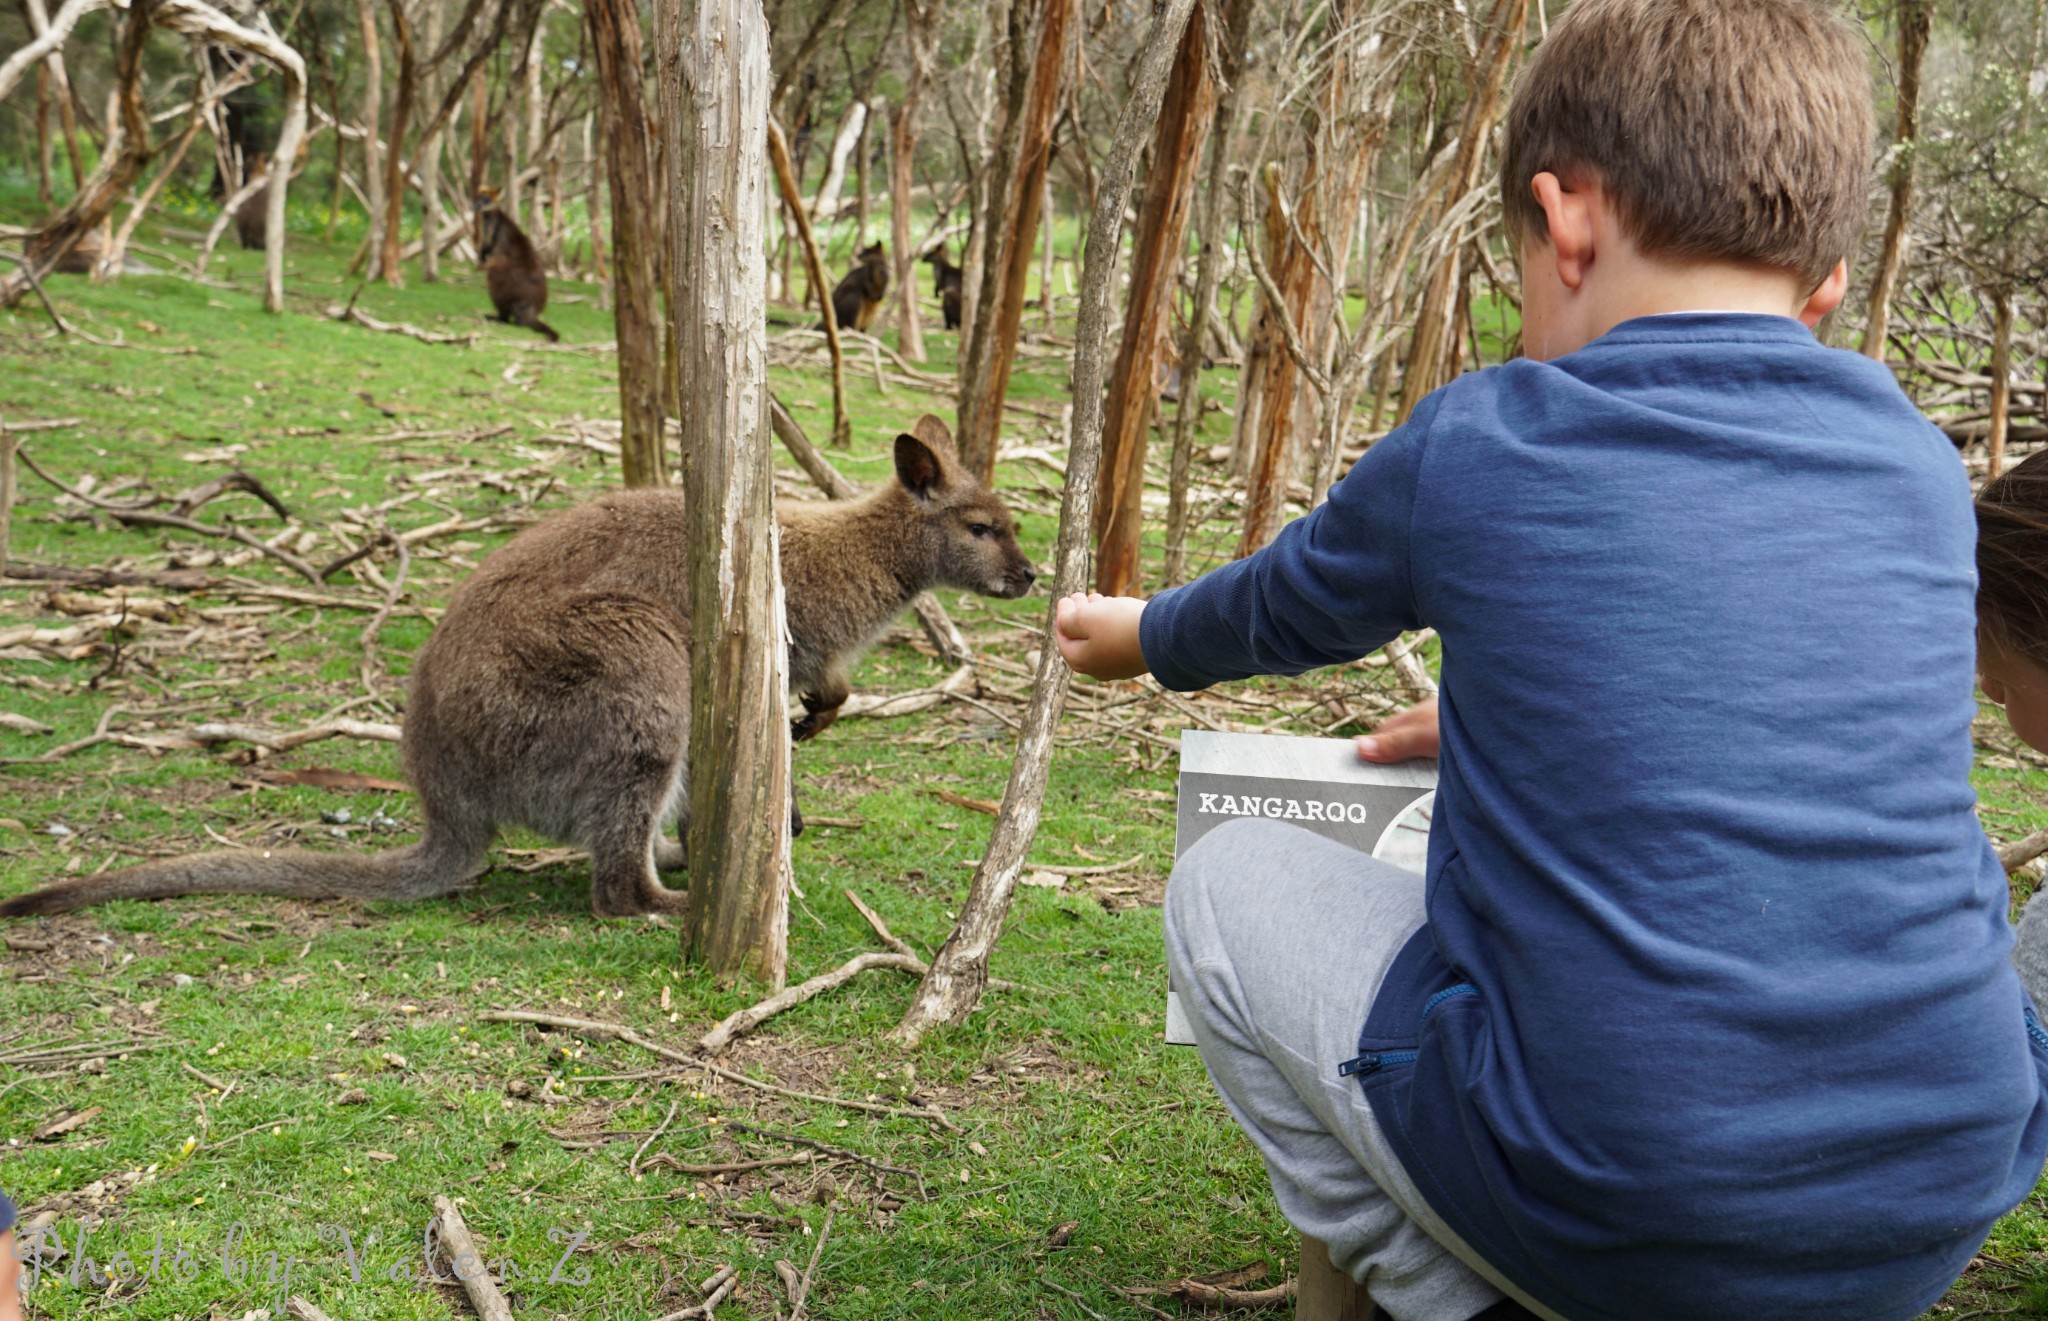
x: 1278, y: 940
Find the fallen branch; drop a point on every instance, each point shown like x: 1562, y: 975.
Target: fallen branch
x: 2022, y: 851
x: 457, y: 1246
x: 741, y: 1022
x: 803, y: 1289
x: 593, y: 1028
x: 371, y: 664
x: 837, y: 1153
x: 715, y: 1290
x: 881, y: 928
x: 301, y: 1310
x: 661, y: 1160
x: 284, y: 740
x: 132, y: 517
x: 633, y: 1165
x: 357, y: 316
x: 917, y: 699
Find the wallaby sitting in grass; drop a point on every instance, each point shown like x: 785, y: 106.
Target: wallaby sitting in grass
x: 512, y: 271
x: 555, y: 692
x: 949, y: 283
x: 252, y: 217
x: 857, y: 297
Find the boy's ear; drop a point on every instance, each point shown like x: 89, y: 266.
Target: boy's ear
x: 920, y: 470
x: 1827, y: 297
x: 1568, y: 215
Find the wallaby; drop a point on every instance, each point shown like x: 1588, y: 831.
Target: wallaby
x: 948, y: 284
x: 555, y: 692
x: 857, y: 298
x: 512, y: 270
x: 252, y: 217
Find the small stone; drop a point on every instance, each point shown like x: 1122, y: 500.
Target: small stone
x: 353, y: 1096
x: 181, y: 979
x: 520, y: 1088
x: 340, y: 816
x: 97, y: 1064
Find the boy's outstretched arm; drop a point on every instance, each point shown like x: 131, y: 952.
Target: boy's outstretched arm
x: 1098, y: 635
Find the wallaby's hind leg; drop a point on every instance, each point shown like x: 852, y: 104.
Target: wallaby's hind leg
x: 670, y: 854
x: 622, y: 879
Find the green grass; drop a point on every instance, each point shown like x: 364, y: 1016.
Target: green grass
x: 270, y: 1014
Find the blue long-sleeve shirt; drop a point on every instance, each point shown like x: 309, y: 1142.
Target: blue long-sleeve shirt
x: 1741, y: 1037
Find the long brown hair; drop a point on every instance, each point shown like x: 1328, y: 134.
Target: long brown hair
x: 2012, y: 561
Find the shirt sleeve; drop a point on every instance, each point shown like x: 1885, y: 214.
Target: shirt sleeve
x: 1330, y: 588
x: 6, y: 1214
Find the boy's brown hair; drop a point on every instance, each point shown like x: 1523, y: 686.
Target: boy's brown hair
x: 1722, y: 129
x: 2012, y: 562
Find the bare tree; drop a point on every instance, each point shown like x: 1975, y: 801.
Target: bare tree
x: 1156, y: 249
x: 921, y: 40
x: 1038, y: 53
x: 1915, y: 19
x: 713, y: 61
x: 953, y: 984
x: 629, y: 156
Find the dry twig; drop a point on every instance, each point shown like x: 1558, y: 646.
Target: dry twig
x: 457, y: 1246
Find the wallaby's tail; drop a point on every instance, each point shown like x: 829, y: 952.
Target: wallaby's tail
x: 546, y: 329
x: 435, y: 865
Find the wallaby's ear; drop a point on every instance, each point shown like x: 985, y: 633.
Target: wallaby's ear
x: 932, y: 431
x: 921, y: 470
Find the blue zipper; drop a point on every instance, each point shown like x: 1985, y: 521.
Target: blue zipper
x: 2035, y: 1031
x: 1366, y: 1065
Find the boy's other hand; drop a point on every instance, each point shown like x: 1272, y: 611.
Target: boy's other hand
x: 1098, y: 635
x: 1402, y: 736
x: 10, y: 1279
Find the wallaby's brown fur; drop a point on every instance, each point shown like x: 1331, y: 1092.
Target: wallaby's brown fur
x: 252, y: 217
x: 948, y: 284
x: 555, y: 692
x: 512, y: 270
x: 857, y: 298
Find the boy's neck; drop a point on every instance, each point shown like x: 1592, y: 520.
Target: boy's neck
x: 1623, y: 285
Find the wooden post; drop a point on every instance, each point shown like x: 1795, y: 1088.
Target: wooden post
x: 1916, y: 26
x: 1155, y: 275
x: 7, y: 443
x: 1325, y: 1293
x: 793, y: 204
x: 629, y: 154
x: 992, y: 341
x: 713, y: 61
x: 953, y: 985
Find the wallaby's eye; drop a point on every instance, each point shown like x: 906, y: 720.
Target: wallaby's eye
x: 979, y: 529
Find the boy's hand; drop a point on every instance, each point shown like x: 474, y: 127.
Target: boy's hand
x: 1403, y: 735
x: 1098, y: 635
x: 10, y: 1279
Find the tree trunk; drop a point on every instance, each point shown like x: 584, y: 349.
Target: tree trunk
x: 861, y: 151
x: 47, y: 46
x: 373, y: 102
x: 1916, y: 26
x: 920, y: 34
x: 615, y: 40
x: 1436, y: 313
x: 2001, y: 378
x: 992, y: 347
x: 128, y: 152
x: 1156, y: 248
x: 1208, y: 278
x: 953, y: 985
x: 713, y: 60
x: 1275, y: 439
x: 793, y: 204
x: 852, y: 132
x: 389, y: 268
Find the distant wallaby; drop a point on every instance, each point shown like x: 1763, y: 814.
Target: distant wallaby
x: 252, y: 217
x: 947, y: 283
x: 512, y: 270
x: 555, y: 692
x: 857, y: 298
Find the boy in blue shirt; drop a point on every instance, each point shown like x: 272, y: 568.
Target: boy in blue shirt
x: 1705, y: 1010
